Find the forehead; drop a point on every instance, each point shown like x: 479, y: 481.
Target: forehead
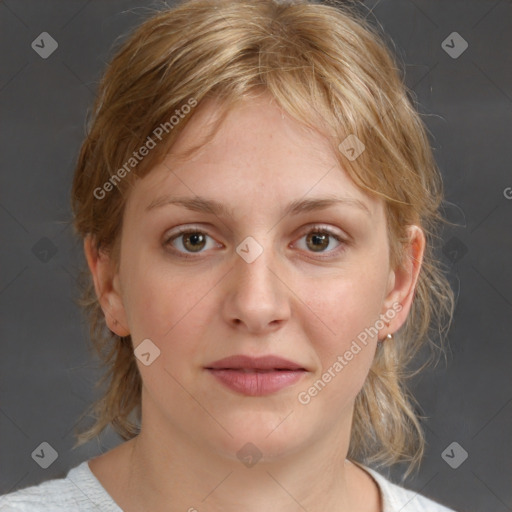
x: 257, y: 152
x: 256, y: 125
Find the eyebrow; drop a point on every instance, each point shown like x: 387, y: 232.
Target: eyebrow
x: 204, y: 205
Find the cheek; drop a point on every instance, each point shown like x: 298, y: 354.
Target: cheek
x: 172, y: 312
x: 166, y: 305
x: 344, y: 306
x: 343, y: 331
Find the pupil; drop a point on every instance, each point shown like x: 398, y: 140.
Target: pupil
x: 193, y: 239
x: 317, y: 238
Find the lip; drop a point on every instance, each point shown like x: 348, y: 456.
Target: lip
x: 256, y: 376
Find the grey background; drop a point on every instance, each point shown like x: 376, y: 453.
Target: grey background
x: 47, y: 375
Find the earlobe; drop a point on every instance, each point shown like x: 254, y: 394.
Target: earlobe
x: 403, y: 280
x: 106, y: 286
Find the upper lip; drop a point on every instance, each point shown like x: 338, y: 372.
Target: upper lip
x: 241, y: 362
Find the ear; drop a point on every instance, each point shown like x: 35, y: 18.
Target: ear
x: 402, y: 281
x: 107, y: 286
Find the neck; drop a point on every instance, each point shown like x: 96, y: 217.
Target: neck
x: 190, y: 480
x: 172, y: 473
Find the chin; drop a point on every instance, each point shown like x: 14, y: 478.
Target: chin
x: 270, y: 435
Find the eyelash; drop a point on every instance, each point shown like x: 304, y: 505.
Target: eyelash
x: 314, y: 229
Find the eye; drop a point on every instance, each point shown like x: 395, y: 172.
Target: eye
x: 320, y: 239
x: 189, y: 241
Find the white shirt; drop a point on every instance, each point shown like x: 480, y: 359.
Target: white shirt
x: 81, y: 491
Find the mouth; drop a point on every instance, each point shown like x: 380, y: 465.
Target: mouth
x: 256, y: 376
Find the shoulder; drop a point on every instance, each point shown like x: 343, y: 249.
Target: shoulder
x: 396, y: 498
x: 79, y: 490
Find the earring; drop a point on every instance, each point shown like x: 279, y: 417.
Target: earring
x: 388, y: 337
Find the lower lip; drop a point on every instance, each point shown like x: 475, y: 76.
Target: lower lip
x: 257, y: 383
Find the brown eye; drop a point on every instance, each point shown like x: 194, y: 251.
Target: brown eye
x: 318, y: 242
x: 189, y: 241
x: 322, y: 240
x: 194, y: 242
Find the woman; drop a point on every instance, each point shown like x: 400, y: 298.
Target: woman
x: 258, y: 203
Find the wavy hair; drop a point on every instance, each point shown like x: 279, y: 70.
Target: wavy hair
x: 328, y: 68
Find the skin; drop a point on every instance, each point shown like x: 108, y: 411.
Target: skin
x: 288, y: 302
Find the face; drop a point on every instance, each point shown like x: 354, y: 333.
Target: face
x: 271, y: 252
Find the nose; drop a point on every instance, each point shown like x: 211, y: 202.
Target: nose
x: 256, y: 298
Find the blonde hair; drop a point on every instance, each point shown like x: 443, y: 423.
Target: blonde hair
x: 328, y: 68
